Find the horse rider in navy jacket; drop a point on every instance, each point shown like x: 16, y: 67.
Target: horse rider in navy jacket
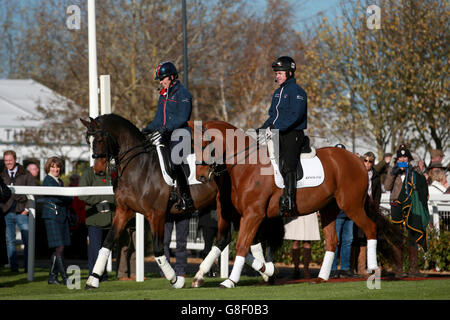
x: 174, y: 111
x: 288, y: 115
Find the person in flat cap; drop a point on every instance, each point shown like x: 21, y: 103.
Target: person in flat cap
x: 409, y: 207
x: 436, y: 156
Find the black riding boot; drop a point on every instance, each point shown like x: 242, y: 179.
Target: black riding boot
x: 61, y: 269
x: 53, y: 275
x: 186, y: 203
x: 287, y: 200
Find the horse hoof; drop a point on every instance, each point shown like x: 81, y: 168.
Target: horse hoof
x: 227, y: 284
x: 318, y: 281
x: 88, y: 287
x: 197, y: 283
x: 179, y: 283
x: 265, y: 277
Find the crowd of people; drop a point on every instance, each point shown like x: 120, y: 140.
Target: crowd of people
x: 64, y: 218
x: 409, y: 183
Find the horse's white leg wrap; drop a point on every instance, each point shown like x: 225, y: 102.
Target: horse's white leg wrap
x: 257, y: 252
x: 235, y: 273
x: 99, y: 267
x: 372, y: 254
x: 326, y: 265
x: 166, y: 268
x: 212, y: 256
x: 253, y: 262
x: 169, y: 273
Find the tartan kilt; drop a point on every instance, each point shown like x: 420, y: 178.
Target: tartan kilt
x: 58, y: 234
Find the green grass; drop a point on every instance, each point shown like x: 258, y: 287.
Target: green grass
x: 16, y: 287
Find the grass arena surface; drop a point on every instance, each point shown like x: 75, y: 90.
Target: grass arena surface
x: 17, y: 287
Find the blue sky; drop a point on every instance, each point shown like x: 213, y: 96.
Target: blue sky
x: 306, y: 10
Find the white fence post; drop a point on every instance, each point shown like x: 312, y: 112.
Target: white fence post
x: 224, y: 258
x: 139, y: 247
x: 31, y: 236
x: 105, y: 94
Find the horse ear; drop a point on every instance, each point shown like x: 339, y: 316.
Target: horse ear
x: 94, y: 123
x: 85, y: 123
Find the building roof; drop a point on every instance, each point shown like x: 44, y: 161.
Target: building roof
x: 19, y: 100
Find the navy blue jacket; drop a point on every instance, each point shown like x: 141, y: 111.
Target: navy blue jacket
x: 288, y: 110
x: 55, y: 207
x: 174, y: 109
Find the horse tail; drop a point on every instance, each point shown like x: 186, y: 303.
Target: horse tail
x: 388, y: 235
x: 271, y: 231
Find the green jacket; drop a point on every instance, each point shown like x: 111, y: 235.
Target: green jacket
x: 93, y: 216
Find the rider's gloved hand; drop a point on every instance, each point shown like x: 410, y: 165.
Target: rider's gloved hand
x: 162, y: 130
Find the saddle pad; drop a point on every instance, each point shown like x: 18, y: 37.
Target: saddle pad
x: 313, y: 174
x: 192, y: 172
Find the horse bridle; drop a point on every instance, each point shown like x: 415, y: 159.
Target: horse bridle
x: 119, y: 158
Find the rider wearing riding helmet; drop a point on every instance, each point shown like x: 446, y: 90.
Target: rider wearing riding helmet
x: 174, y: 111
x: 288, y: 115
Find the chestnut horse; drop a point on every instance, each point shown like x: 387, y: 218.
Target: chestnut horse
x: 140, y: 187
x: 255, y: 196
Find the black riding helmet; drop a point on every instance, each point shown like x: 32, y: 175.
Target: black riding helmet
x: 165, y: 69
x: 285, y: 63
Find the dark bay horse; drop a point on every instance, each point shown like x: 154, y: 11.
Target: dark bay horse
x: 255, y: 197
x: 140, y: 187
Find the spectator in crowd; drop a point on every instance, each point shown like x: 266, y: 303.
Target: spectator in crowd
x: 79, y: 231
x: 409, y: 207
x: 181, y: 223
x: 5, y: 194
x: 56, y: 217
x: 207, y: 222
x: 373, y: 199
x: 297, y: 229
x: 126, y: 263
x: 436, y: 156
x: 382, y: 167
x: 99, y: 210
x: 417, y: 163
x: 344, y: 229
x: 15, y: 208
x: 439, y: 183
x: 34, y: 170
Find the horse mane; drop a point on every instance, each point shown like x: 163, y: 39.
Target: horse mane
x: 114, y: 123
x: 111, y: 120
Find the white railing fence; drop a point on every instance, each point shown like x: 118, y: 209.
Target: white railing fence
x: 439, y: 205
x: 194, y: 243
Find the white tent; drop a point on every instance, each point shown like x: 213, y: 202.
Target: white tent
x: 19, y: 101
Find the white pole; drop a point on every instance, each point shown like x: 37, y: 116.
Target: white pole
x: 31, y: 236
x: 224, y: 258
x: 92, y: 44
x: 105, y: 94
x: 139, y: 247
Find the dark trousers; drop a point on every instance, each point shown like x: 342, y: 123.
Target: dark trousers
x: 96, y: 236
x: 290, y: 147
x: 181, y: 223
